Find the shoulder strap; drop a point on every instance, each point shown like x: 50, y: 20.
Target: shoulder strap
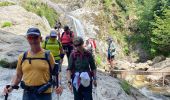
x: 71, y: 32
x: 47, y: 58
x: 62, y: 35
x: 24, y: 57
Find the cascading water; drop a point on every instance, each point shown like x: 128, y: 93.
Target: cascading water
x: 77, y: 26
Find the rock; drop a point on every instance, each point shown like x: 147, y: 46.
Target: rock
x: 158, y: 59
x: 19, y: 17
x: 11, y: 46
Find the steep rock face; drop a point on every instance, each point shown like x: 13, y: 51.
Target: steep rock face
x: 21, y: 20
x: 11, y: 46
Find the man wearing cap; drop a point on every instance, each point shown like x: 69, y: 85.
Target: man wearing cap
x: 34, y: 70
x: 51, y: 43
x: 81, y: 66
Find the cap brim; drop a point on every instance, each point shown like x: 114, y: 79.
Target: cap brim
x: 53, y: 35
x: 33, y: 33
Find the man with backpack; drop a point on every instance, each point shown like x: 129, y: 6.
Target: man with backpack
x: 67, y: 40
x: 34, y: 68
x: 54, y: 45
x: 81, y: 71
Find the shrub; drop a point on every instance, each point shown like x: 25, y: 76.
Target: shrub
x: 6, y: 3
x: 41, y: 9
x: 6, y: 24
x: 125, y: 86
x: 4, y: 63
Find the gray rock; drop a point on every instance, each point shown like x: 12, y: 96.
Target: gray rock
x: 11, y: 46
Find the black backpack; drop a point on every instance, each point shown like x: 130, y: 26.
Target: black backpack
x: 47, y: 58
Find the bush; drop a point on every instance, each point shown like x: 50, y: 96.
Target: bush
x: 4, y: 63
x: 41, y: 9
x: 125, y: 86
x: 6, y: 3
x: 6, y: 24
x: 98, y: 59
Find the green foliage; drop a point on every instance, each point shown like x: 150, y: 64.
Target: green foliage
x: 6, y: 24
x: 4, y: 63
x: 125, y: 86
x: 98, y: 59
x: 107, y: 4
x: 122, y: 4
x: 6, y: 3
x: 42, y: 9
x: 161, y: 32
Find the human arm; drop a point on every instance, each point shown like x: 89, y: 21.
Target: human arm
x: 16, y: 78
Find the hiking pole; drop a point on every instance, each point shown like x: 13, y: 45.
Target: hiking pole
x: 6, y: 95
x: 57, y: 81
x: 13, y: 87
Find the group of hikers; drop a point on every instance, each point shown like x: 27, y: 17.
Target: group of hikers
x: 38, y: 69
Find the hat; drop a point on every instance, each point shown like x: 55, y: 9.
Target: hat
x: 53, y: 33
x: 33, y: 31
x: 78, y: 41
x: 85, y: 79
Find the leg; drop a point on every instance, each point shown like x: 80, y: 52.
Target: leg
x: 44, y: 96
x: 70, y: 48
x: 28, y: 96
x: 77, y: 94
x: 87, y: 92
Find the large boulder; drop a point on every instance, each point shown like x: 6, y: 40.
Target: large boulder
x: 21, y: 20
x: 11, y: 46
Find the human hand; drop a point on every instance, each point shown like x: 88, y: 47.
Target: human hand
x: 95, y: 83
x: 59, y: 90
x: 70, y: 86
x: 7, y: 89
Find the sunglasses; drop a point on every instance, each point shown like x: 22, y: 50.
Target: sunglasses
x: 53, y: 37
x: 32, y: 37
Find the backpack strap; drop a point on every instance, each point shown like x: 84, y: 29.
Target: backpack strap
x: 47, y: 58
x: 71, y: 32
x: 24, y: 57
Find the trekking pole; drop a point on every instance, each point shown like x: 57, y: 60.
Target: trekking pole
x: 13, y: 87
x: 6, y: 95
x: 57, y: 81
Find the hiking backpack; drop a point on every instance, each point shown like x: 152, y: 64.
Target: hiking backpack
x: 71, y: 32
x: 74, y: 54
x: 47, y: 58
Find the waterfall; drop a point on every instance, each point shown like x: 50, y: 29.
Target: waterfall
x: 78, y: 26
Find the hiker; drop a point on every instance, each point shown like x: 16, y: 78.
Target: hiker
x: 81, y: 71
x: 111, y: 52
x: 90, y: 45
x: 34, y: 69
x: 58, y: 28
x: 67, y: 41
x: 51, y: 43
